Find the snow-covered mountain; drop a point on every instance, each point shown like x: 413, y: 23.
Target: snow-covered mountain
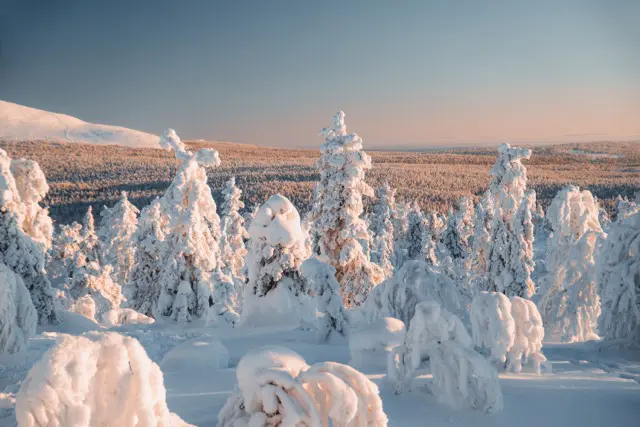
x: 20, y: 123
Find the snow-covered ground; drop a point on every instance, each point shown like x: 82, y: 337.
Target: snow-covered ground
x: 21, y: 123
x: 591, y: 385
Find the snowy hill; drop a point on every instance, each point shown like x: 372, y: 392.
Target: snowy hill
x: 20, y: 123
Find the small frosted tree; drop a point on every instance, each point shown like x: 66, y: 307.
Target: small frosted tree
x: 21, y: 252
x: 570, y: 303
x: 191, y: 245
x: 142, y: 291
x: 619, y: 282
x: 116, y: 230
x: 90, y: 242
x: 400, y: 225
x: 482, y: 234
x: 234, y: 234
x: 338, y: 208
x: 456, y: 238
x: 625, y: 208
x: 322, y: 281
x: 66, y: 244
x: 415, y: 229
x: 509, y: 257
x: 382, y: 227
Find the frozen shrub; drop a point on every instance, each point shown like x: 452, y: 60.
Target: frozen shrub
x: 492, y: 324
x: 529, y: 333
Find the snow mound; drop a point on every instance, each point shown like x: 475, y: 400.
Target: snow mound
x: 125, y: 316
x: 278, y: 388
x: 94, y: 380
x: 529, y: 333
x: 21, y: 123
x: 380, y: 336
x: 278, y: 222
x: 18, y: 316
x: 73, y: 323
x: 199, y: 354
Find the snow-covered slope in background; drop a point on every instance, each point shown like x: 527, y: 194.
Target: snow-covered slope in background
x: 20, y: 123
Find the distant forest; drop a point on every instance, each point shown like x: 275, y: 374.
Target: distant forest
x: 81, y: 175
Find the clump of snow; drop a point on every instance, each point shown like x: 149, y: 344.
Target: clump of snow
x: 96, y: 379
x: 224, y: 299
x: 323, y: 283
x: 492, y: 324
x: 278, y: 388
x: 18, y: 316
x: 125, y: 316
x: 375, y: 341
x: 277, y: 222
x: 461, y: 377
x: 529, y: 333
x: 198, y: 354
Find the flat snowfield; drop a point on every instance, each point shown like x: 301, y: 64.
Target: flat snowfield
x: 590, y: 386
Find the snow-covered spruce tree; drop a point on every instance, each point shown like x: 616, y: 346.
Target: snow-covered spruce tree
x: 415, y: 229
x: 505, y: 262
x: 276, y: 252
x: 570, y: 303
x: 234, y: 234
x: 523, y: 264
x: 619, y: 282
x: 116, y: 230
x: 142, y: 290
x: 90, y: 243
x: 399, y: 232
x: 224, y: 297
x: 322, y: 281
x: 338, y: 208
x: 19, y: 251
x: 381, y: 220
x: 91, y: 285
x: 276, y: 387
x: 191, y: 244
x: 528, y: 336
x: 66, y: 244
x: 456, y: 239
x: 18, y: 317
x: 625, y: 208
x: 482, y: 234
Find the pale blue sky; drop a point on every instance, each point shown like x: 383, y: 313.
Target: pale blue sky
x: 274, y: 72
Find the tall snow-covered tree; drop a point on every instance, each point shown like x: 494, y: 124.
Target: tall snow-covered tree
x: 191, y: 245
x: 430, y: 237
x: 21, y: 252
x: 338, y: 208
x: 116, y: 230
x: 90, y: 242
x: 66, y: 244
x: 142, y: 290
x: 456, y: 239
x: 570, y: 304
x: 619, y: 281
x: 234, y: 234
x: 509, y: 258
x: 382, y: 227
x: 415, y: 229
x: 482, y: 234
x: 400, y: 225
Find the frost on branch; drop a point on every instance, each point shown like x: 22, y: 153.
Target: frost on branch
x: 23, y: 232
x: 338, y: 208
x: 322, y: 281
x: 462, y: 378
x: 619, y: 282
x: 95, y: 380
x: 415, y: 282
x: 276, y: 387
x: 493, y: 325
x: 192, y: 236
x: 18, y: 317
x: 529, y: 333
x: 275, y: 289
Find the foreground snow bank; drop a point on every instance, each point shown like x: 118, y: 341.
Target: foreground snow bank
x: 95, y: 380
x: 375, y: 341
x: 278, y: 388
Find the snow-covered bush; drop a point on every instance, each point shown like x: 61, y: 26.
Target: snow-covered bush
x: 278, y: 388
x: 461, y: 376
x: 125, y: 316
x: 95, y: 380
x: 276, y: 252
x: 529, y: 333
x: 142, y: 291
x: 191, y: 243
x: 415, y: 282
x: 25, y: 231
x: 338, y: 208
x: 95, y: 283
x: 492, y: 325
x: 18, y: 317
x: 116, y: 230
x: 510, y: 254
x: 619, y: 281
x: 373, y: 342
x: 66, y: 244
x: 234, y: 234
x: 381, y: 219
x: 321, y: 278
x: 224, y: 300
x: 625, y: 208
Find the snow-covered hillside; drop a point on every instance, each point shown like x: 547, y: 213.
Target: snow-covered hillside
x: 20, y: 123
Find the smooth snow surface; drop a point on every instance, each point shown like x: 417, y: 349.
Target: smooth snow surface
x: 375, y: 341
x: 21, y: 123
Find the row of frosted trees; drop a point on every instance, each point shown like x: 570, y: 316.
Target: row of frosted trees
x: 177, y: 259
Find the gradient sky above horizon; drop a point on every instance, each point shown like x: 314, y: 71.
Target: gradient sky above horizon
x: 407, y: 74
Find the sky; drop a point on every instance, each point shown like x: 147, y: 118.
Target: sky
x: 408, y: 74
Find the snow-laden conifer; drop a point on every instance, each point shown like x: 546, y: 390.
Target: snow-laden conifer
x: 234, y: 234
x: 381, y: 219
